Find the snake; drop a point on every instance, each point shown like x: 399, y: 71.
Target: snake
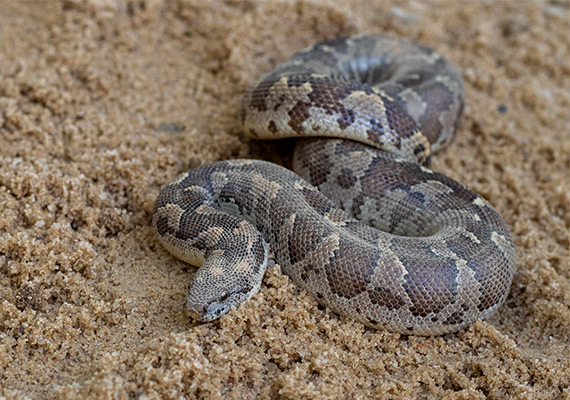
x: 363, y: 224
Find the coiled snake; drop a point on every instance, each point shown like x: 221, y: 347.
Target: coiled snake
x: 393, y: 244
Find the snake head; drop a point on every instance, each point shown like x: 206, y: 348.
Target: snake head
x: 208, y: 306
x: 219, y: 286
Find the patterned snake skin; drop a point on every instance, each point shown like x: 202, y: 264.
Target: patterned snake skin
x: 376, y: 235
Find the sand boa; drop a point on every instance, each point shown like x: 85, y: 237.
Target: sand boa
x: 413, y: 251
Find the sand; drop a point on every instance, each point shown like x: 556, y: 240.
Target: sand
x: 101, y: 103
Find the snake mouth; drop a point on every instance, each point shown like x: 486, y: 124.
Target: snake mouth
x: 194, y: 311
x: 205, y: 312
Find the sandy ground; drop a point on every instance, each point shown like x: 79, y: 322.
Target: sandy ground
x: 102, y: 102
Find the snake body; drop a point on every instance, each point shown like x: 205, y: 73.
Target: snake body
x: 375, y: 235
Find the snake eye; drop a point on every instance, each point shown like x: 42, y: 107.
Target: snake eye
x: 224, y: 295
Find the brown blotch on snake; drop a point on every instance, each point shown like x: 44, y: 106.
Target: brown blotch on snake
x: 426, y: 255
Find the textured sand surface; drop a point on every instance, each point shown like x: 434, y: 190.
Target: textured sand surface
x: 101, y: 103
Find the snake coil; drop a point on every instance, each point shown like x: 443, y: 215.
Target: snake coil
x: 375, y: 235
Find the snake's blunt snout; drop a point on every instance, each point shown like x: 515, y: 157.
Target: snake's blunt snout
x: 194, y: 311
x: 200, y: 309
x: 209, y: 300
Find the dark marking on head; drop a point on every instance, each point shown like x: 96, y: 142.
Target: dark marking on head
x: 245, y: 289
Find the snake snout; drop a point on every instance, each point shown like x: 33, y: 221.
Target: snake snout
x: 204, y: 310
x: 195, y: 311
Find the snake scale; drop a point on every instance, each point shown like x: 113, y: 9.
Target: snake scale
x: 375, y: 235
